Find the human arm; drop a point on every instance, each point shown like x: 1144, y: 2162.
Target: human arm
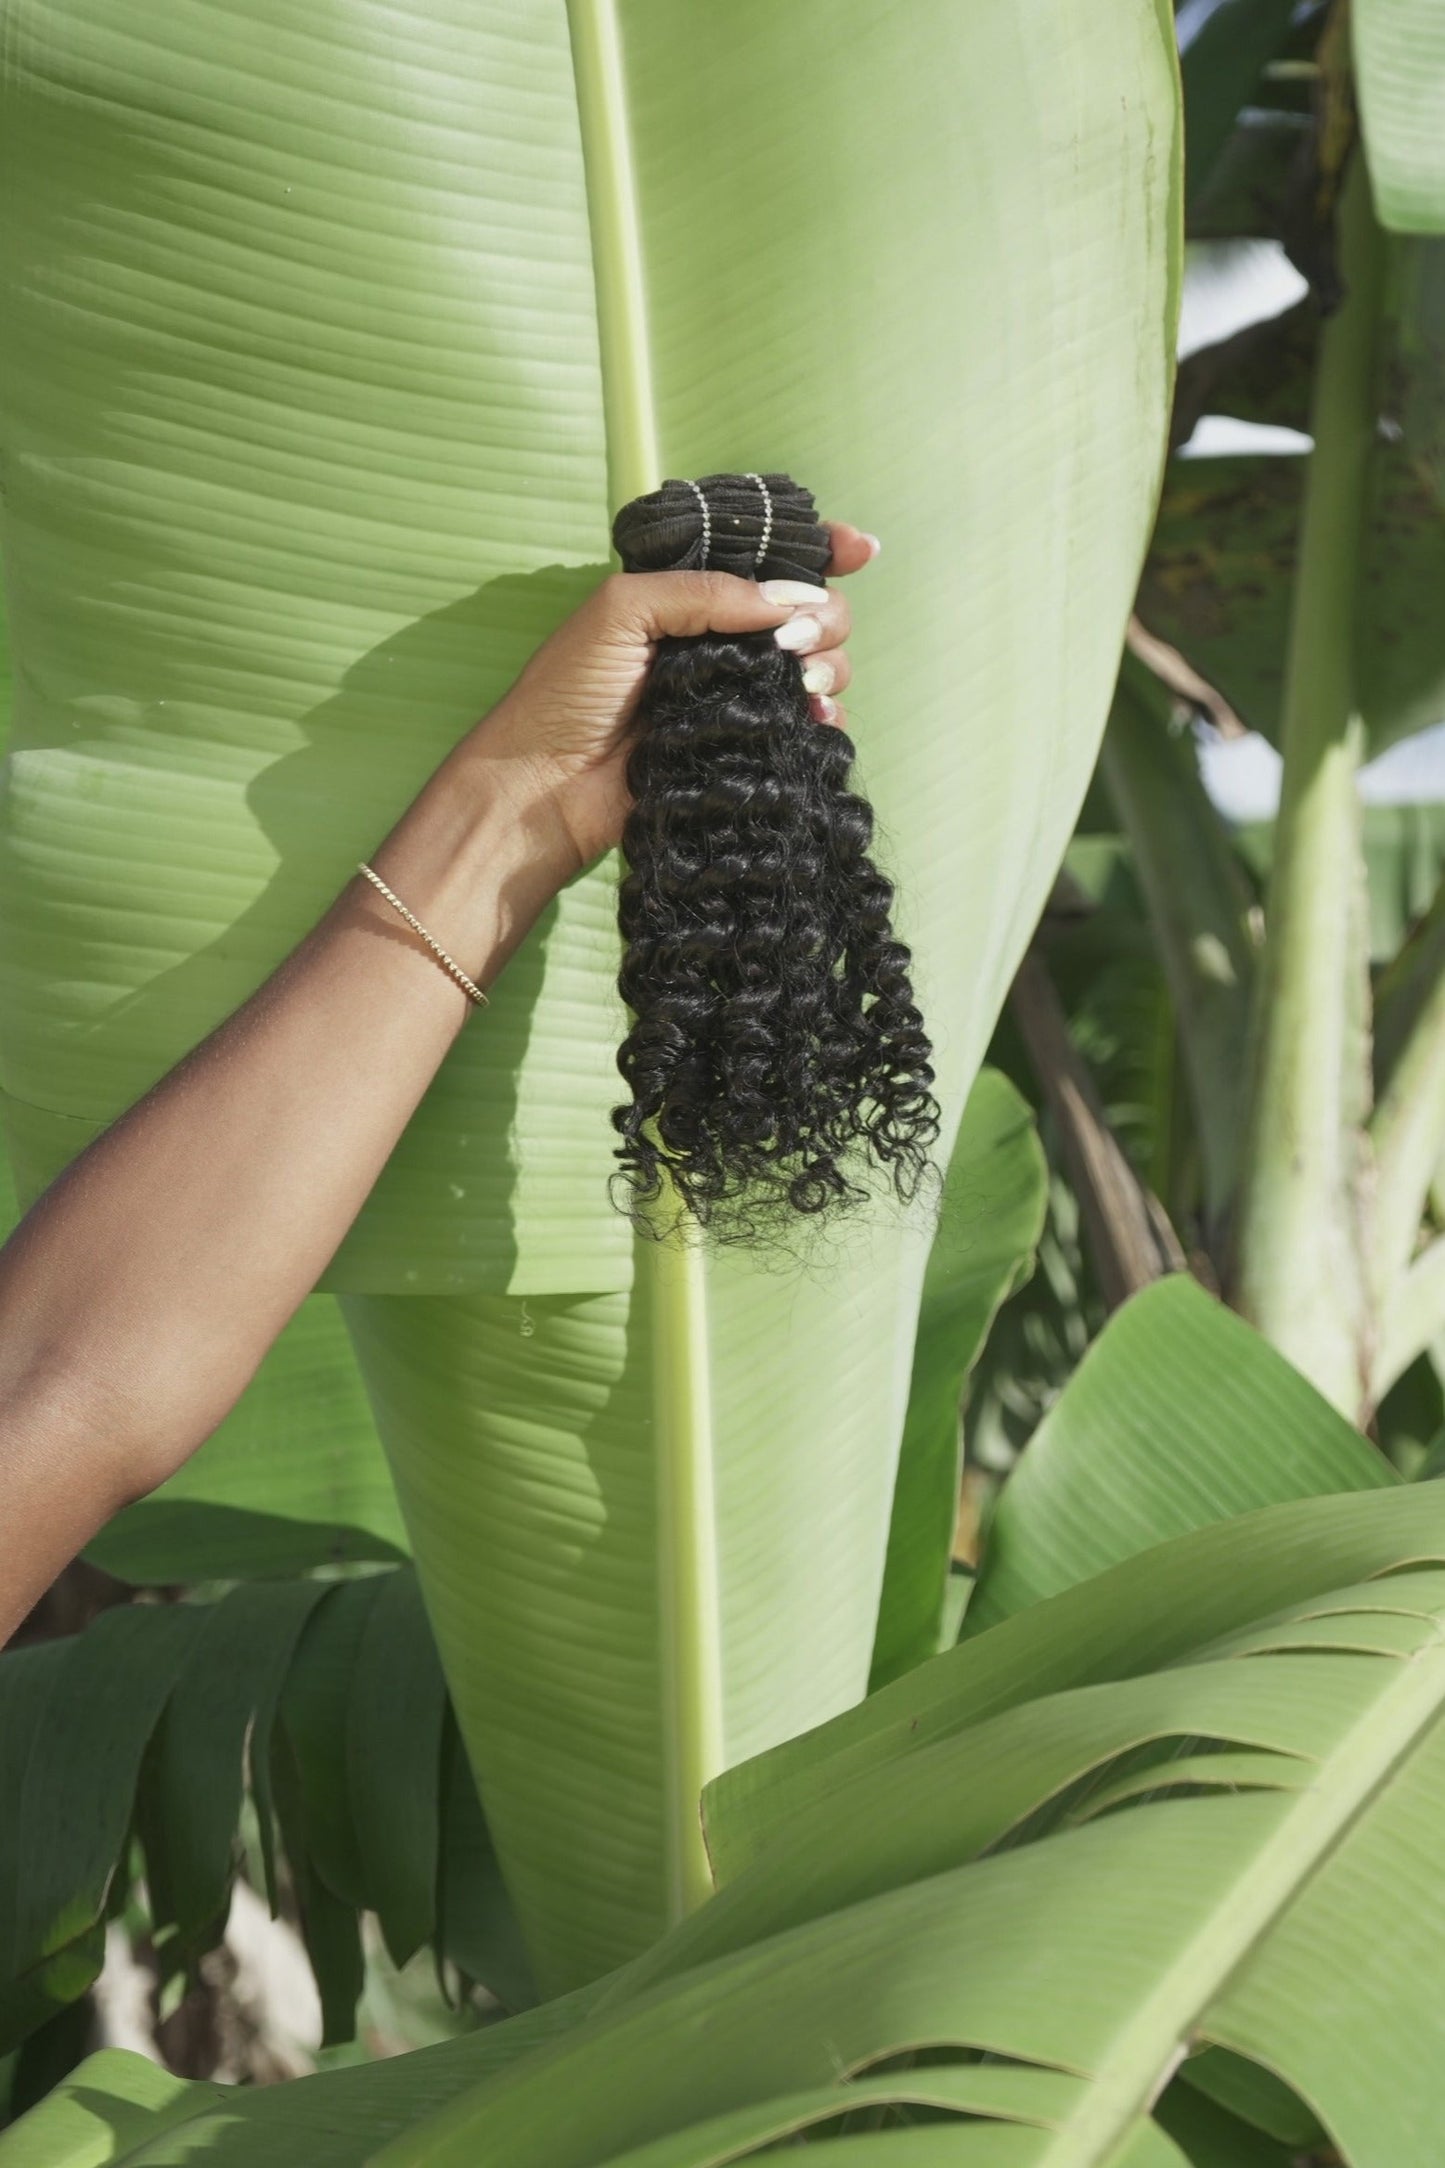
x: 141, y: 1291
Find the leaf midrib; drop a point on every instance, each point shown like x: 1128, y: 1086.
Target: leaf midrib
x: 1147, y: 2051
x: 669, y: 1270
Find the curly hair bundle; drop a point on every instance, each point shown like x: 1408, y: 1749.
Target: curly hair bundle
x: 775, y: 1046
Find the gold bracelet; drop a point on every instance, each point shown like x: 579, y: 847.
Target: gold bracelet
x: 468, y: 986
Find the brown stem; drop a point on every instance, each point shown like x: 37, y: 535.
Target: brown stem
x: 1130, y: 1239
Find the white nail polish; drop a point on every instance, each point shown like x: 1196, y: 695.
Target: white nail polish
x: 790, y: 592
x: 872, y: 540
x: 799, y: 632
x: 818, y: 677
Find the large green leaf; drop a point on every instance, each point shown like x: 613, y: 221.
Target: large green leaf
x: 219, y: 1711
x: 1142, y: 1845
x: 991, y: 1217
x: 1179, y: 1415
x: 1400, y: 66
x: 316, y: 375
x: 1233, y: 1565
x: 75, y: 1717
x: 328, y: 1700
x: 122, y: 2100
x: 1223, y: 45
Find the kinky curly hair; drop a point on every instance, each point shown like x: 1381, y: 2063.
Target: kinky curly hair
x: 775, y: 1043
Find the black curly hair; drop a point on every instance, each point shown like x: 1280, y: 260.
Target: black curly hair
x: 774, y: 1028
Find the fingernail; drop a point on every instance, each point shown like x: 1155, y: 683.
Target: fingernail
x: 818, y: 677
x: 788, y: 591
x: 824, y: 710
x: 874, y: 545
x: 799, y: 632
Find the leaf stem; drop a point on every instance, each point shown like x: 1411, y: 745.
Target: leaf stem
x: 671, y: 1280
x: 634, y: 460
x: 1415, y: 1316
x: 1408, y: 1129
x: 1299, y: 1270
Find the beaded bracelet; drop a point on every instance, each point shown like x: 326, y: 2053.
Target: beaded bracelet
x: 468, y: 986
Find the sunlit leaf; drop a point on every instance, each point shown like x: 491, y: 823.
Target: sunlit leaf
x: 307, y: 445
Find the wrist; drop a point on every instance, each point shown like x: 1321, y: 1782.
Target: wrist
x: 508, y: 763
x: 478, y: 856
x: 513, y: 805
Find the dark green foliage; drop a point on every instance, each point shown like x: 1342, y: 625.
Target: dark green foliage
x: 325, y: 1702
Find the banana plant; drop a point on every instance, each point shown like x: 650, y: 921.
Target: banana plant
x: 1139, y: 1875
x: 329, y: 345
x: 1304, y: 590
x: 319, y: 1702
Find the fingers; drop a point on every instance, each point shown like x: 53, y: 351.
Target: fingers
x: 852, y: 548
x: 653, y: 605
x: 810, y: 622
x: 818, y: 618
x: 829, y: 671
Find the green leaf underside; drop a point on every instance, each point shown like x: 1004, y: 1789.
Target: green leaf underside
x: 991, y: 1214
x: 394, y: 1762
x: 1211, y: 2138
x: 154, y: 1718
x: 1400, y: 71
x: 74, y: 1721
x: 1107, y: 1937
x: 191, y: 1792
x: 1179, y: 1415
x: 273, y: 541
x: 1298, y: 1924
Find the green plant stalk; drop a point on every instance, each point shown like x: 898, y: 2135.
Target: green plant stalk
x: 1405, y: 986
x: 1408, y: 1129
x: 1415, y: 1317
x: 1198, y: 911
x: 1299, y: 1264
x: 671, y: 1279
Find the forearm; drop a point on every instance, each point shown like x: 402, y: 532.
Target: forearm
x: 139, y: 1294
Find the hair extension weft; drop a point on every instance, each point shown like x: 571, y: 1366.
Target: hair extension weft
x: 775, y: 1042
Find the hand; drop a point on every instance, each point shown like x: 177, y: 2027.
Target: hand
x: 559, y: 738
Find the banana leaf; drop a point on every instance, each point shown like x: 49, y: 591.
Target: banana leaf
x: 1223, y: 46
x: 330, y: 344
x: 1400, y: 68
x: 322, y: 1702
x: 990, y: 1219
x: 1079, y: 1850
x: 1179, y: 1415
